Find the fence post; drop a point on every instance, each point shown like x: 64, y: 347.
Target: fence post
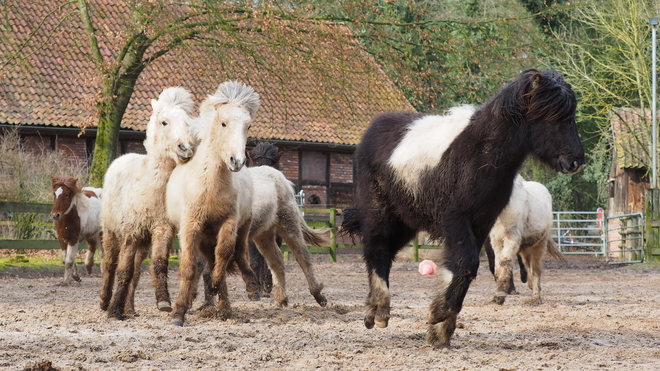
x: 333, y: 235
x: 416, y: 249
x: 652, y: 217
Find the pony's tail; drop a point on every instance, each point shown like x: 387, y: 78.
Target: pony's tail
x: 351, y: 225
x: 553, y: 250
x: 315, y: 237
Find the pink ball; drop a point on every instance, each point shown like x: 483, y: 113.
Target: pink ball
x: 427, y: 267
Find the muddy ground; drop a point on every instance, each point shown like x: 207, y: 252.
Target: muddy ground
x: 594, y: 317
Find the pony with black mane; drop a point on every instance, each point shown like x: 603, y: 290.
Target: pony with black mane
x: 452, y: 175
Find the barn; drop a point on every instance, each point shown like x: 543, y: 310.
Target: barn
x: 629, y: 173
x: 315, y: 104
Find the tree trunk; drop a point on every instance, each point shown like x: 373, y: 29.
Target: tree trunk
x: 111, y: 110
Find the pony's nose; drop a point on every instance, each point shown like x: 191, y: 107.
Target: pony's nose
x: 185, y: 152
x: 236, y: 163
x: 55, y: 216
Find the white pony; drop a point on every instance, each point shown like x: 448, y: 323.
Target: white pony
x: 275, y: 212
x: 211, y: 201
x: 524, y: 228
x: 133, y: 209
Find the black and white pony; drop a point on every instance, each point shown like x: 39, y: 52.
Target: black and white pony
x: 452, y: 175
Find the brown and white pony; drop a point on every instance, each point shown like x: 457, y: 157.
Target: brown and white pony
x: 76, y: 211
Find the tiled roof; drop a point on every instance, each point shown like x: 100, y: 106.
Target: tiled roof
x: 302, y: 100
x: 632, y: 137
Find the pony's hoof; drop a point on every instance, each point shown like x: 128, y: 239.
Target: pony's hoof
x: 283, y: 303
x: 437, y: 335
x: 534, y: 301
x: 369, y: 322
x: 164, y: 306
x: 89, y: 270
x: 499, y: 299
x: 104, y: 305
x: 77, y: 278
x: 254, y: 296
x: 177, y: 322
x: 382, y: 322
x: 320, y: 298
x: 116, y: 316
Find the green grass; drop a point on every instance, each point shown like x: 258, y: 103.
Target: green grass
x: 20, y: 261
x: 41, y: 263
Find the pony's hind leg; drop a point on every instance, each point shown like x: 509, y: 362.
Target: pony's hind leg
x: 161, y: 244
x: 532, y: 259
x: 299, y: 248
x: 459, y: 268
x: 266, y: 244
x: 89, y: 257
x: 381, y: 242
x: 108, y: 267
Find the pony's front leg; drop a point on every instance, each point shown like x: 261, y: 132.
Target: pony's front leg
x: 70, y: 271
x: 161, y: 243
x: 505, y: 254
x: 125, y: 269
x: 459, y: 269
x: 382, y: 241
x: 224, y: 252
x: 140, y: 254
x: 190, y: 238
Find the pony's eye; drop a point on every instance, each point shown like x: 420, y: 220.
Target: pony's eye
x: 249, y: 127
x: 164, y: 123
x: 224, y: 125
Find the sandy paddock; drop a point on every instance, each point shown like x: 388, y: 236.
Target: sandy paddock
x: 594, y: 317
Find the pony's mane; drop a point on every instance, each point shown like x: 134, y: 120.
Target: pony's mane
x: 177, y: 97
x: 265, y: 153
x: 536, y: 95
x: 235, y: 92
x: 72, y: 183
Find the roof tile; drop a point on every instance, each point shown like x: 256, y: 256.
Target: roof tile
x: 301, y: 101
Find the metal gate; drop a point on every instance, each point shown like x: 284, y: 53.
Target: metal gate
x: 620, y: 239
x: 579, y: 232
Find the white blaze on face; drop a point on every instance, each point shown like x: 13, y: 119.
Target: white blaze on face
x: 424, y: 143
x: 58, y: 192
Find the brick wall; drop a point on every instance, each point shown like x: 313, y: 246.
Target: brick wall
x: 75, y: 149
x: 36, y: 144
x: 134, y: 146
x: 341, y: 168
x: 319, y: 191
x: 289, y: 162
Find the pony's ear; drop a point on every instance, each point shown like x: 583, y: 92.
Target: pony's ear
x: 154, y: 105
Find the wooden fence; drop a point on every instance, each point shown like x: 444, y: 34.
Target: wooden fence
x: 316, y: 218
